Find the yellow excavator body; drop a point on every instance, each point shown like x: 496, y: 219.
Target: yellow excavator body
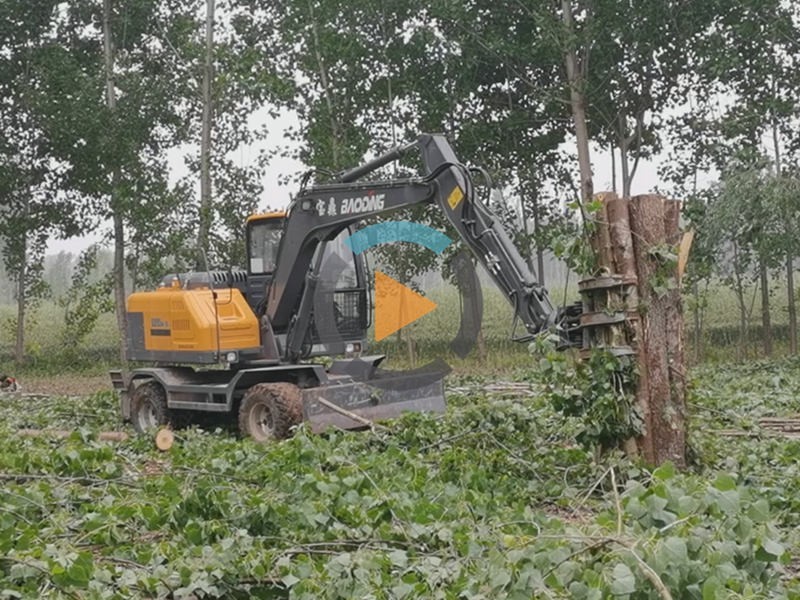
x: 194, y: 325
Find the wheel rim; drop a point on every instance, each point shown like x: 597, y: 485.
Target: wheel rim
x: 147, y: 416
x: 261, y: 421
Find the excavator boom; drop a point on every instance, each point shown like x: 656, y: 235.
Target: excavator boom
x: 321, y: 211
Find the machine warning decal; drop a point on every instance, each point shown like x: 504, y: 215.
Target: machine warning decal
x: 159, y: 327
x: 455, y: 197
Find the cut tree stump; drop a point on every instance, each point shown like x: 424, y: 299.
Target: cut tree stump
x: 634, y: 241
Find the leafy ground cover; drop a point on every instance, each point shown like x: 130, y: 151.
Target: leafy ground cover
x: 492, y: 500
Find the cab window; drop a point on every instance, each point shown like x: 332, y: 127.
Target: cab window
x: 264, y: 238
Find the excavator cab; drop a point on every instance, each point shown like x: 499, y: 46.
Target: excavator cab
x: 344, y: 287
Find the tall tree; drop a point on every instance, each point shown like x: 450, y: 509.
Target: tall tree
x: 204, y: 225
x: 30, y: 210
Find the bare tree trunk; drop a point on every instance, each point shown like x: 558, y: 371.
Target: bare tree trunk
x: 22, y: 284
x: 326, y: 88
x: 577, y: 95
x: 537, y: 269
x: 697, y: 328
x: 766, y: 320
x: 539, y: 247
x: 119, y: 229
x: 739, y: 289
x: 205, y: 143
x: 623, y: 156
x: 792, y: 307
x: 790, y: 299
x: 483, y: 351
x: 613, y: 168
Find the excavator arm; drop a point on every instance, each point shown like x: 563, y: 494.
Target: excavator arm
x: 321, y: 211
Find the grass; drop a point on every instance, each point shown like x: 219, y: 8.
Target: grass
x: 492, y: 500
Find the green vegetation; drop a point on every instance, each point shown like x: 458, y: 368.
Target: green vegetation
x: 493, y: 500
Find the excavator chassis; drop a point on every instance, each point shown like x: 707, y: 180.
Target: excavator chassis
x: 351, y: 394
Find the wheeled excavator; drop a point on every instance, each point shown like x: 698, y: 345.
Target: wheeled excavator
x: 243, y: 343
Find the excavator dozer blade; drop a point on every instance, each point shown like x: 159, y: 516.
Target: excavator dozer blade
x: 355, y: 405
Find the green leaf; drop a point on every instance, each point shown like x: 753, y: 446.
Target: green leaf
x: 624, y: 581
x: 664, y: 472
x: 773, y: 547
x: 712, y: 589
x: 675, y: 550
x: 724, y: 482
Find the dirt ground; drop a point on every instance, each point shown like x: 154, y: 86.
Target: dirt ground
x: 65, y: 385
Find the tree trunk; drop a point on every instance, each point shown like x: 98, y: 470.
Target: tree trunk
x: 613, y: 169
x: 674, y: 412
x: 623, y: 156
x: 617, y: 211
x: 792, y: 307
x: 578, y: 102
x: 740, y: 300
x: 483, y: 352
x: 326, y: 89
x: 650, y: 218
x: 538, y: 268
x: 19, y: 346
x: 206, y: 209
x: 539, y: 247
x: 114, y: 202
x: 766, y: 320
x: 697, y: 328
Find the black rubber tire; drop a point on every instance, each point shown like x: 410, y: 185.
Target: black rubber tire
x: 269, y: 411
x: 149, y: 407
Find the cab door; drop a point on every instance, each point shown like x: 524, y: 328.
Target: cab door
x: 342, y: 284
x: 264, y: 233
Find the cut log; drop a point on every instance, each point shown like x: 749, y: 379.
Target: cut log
x: 164, y: 439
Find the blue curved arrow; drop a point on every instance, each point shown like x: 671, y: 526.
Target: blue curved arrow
x: 398, y: 231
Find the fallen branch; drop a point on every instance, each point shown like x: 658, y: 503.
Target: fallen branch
x: 83, y: 479
x: 105, y: 436
x: 349, y: 414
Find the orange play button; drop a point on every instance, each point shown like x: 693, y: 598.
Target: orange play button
x: 396, y: 306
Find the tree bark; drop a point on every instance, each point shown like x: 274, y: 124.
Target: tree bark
x: 697, y: 323
x: 578, y: 102
x: 666, y: 433
x: 622, y: 248
x: 206, y: 209
x: 613, y: 168
x: 766, y: 320
x: 792, y: 307
x: 22, y: 284
x: 740, y: 300
x: 675, y: 410
x: 114, y: 201
x: 539, y: 247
